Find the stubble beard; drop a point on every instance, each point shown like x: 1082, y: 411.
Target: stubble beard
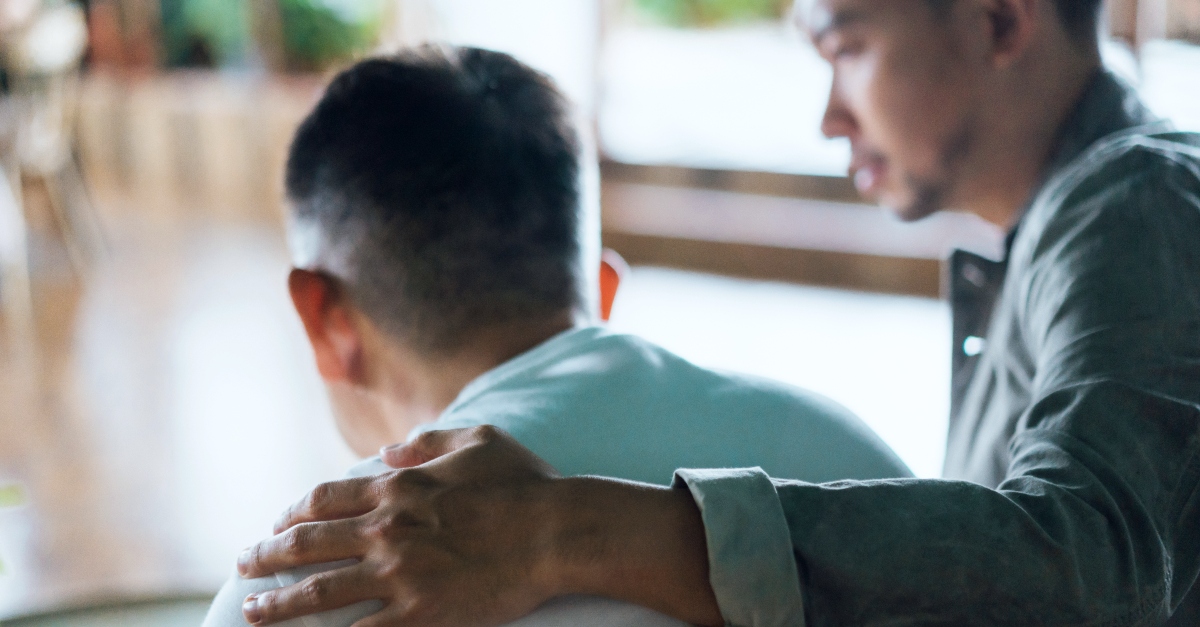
x: 932, y: 194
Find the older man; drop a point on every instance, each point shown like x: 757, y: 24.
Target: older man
x: 1071, y: 495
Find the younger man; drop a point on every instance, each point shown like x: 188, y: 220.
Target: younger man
x: 435, y: 228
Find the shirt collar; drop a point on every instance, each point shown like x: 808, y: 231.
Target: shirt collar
x: 1108, y: 105
x: 548, y: 351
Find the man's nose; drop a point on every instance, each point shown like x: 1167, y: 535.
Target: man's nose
x: 837, y: 121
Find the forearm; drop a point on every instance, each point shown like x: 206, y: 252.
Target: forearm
x: 632, y: 542
x: 1084, y: 531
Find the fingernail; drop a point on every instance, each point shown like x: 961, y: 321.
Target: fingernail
x: 250, y: 610
x: 391, y: 447
x: 243, y: 562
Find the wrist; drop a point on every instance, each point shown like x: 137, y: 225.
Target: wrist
x: 633, y: 542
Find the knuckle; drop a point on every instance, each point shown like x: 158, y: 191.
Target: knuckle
x: 259, y: 556
x: 425, y: 440
x: 407, y: 480
x: 314, y: 591
x: 319, y: 497
x: 295, y: 541
x: 487, y: 433
x: 287, y: 518
x: 255, y: 556
x: 376, y: 530
x: 393, y: 480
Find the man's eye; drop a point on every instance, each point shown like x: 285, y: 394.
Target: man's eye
x: 847, y: 50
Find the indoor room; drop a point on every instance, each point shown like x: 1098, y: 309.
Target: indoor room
x: 160, y: 405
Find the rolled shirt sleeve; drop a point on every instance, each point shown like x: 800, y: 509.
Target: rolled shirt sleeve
x: 752, y: 568
x: 1091, y: 410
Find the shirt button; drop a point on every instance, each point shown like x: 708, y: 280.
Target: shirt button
x: 973, y: 345
x: 974, y: 275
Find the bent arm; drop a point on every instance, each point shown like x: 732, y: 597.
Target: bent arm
x: 1096, y: 523
x: 1098, y: 519
x: 1068, y: 539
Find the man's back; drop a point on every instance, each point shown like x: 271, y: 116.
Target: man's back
x: 592, y: 402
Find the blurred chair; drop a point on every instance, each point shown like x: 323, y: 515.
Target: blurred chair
x: 15, y: 296
x: 43, y: 45
x: 42, y: 60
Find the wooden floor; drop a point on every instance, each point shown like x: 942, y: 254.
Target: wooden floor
x: 132, y: 433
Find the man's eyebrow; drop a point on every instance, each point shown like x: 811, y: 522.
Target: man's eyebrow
x: 841, y: 19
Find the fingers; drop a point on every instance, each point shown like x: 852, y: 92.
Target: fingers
x: 321, y: 592
x: 332, y: 500
x: 434, y: 444
x: 308, y: 543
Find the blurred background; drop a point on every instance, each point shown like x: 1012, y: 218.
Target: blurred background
x: 158, y: 406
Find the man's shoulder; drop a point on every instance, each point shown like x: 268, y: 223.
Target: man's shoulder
x: 622, y: 406
x: 1138, y: 159
x: 1111, y: 240
x: 1135, y: 184
x: 614, y: 369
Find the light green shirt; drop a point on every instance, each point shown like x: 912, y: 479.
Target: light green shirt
x: 591, y: 402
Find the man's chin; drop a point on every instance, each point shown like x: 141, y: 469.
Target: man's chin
x: 902, y: 208
x: 910, y: 207
x: 910, y: 213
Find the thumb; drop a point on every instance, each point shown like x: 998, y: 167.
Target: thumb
x: 429, y: 446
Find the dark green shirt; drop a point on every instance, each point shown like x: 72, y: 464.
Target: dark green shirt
x: 1071, y: 493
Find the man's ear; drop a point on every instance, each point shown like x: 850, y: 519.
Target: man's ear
x: 1013, y: 24
x: 612, y: 269
x: 337, y: 343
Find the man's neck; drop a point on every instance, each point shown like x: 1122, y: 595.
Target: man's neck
x: 1026, y: 132
x: 488, y: 348
x: 424, y: 386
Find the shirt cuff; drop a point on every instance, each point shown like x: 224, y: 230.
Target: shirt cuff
x: 752, y: 566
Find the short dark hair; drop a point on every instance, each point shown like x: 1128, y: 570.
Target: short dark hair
x: 447, y: 179
x: 1080, y: 18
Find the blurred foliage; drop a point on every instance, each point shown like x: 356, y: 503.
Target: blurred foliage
x: 11, y: 495
x: 709, y: 12
x: 311, y: 34
x: 205, y: 33
x: 321, y: 33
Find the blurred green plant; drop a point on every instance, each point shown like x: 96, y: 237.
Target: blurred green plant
x: 320, y: 33
x: 205, y: 33
x: 11, y: 495
x: 709, y: 12
x: 306, y: 35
